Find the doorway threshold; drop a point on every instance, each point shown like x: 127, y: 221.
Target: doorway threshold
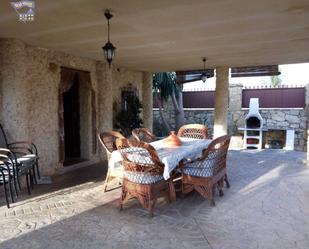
x: 72, y: 161
x: 76, y: 166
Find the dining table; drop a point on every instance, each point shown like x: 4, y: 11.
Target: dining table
x: 170, y: 156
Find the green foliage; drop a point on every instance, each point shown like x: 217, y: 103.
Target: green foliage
x: 159, y: 128
x: 165, y: 84
x: 275, y: 80
x: 129, y: 119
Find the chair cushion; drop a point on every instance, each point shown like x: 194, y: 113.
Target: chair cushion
x: 30, y: 156
x: 5, y: 169
x: 27, y: 160
x: 202, y: 168
x: 6, y: 177
x: 142, y: 177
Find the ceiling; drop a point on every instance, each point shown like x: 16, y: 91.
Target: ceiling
x: 166, y: 35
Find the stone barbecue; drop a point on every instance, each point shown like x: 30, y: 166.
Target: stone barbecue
x: 253, y: 130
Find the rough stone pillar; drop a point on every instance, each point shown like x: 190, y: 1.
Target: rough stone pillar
x: 147, y: 100
x: 15, y: 90
x: 105, y: 96
x: 235, y: 93
x: 307, y: 113
x: 221, y: 101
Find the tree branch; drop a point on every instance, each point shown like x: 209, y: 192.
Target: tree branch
x: 164, y: 122
x: 175, y: 103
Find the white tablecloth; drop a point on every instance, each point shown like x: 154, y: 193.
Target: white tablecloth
x: 190, y: 148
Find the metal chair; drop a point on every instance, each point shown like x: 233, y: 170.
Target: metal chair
x: 144, y: 135
x: 26, y: 153
x: 143, y: 174
x: 7, y: 176
x: 206, y: 173
x: 193, y: 131
x: 108, y: 141
x: 17, y: 167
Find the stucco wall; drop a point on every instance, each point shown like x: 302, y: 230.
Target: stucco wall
x: 44, y: 81
x: 15, y: 89
x: 30, y: 79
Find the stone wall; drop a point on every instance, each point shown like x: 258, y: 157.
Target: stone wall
x: 295, y: 119
x: 29, y: 91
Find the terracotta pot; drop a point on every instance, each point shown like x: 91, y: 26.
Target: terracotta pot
x: 173, y: 140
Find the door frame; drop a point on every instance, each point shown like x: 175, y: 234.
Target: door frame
x: 66, y: 74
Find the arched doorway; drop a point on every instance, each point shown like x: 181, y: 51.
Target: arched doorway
x: 77, y: 117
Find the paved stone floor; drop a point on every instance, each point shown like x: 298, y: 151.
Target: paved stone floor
x: 267, y: 207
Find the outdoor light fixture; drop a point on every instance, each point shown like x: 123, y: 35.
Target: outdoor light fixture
x: 108, y: 49
x: 204, y: 75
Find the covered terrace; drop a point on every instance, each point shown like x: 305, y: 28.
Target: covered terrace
x: 267, y: 204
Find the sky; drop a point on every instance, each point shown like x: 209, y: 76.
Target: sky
x: 291, y: 75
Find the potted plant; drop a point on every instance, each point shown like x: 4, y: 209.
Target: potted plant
x: 129, y: 117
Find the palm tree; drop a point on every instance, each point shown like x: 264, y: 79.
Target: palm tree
x: 275, y: 80
x: 165, y: 86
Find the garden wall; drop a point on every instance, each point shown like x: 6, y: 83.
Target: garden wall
x: 274, y: 118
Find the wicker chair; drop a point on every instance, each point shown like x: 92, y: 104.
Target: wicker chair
x: 206, y: 173
x: 193, y: 131
x: 143, y: 174
x: 108, y: 139
x: 144, y: 135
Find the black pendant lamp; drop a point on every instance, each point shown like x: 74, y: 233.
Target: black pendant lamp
x: 204, y: 75
x: 109, y: 49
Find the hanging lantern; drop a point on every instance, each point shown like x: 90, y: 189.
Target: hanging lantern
x: 109, y: 49
x: 204, y: 75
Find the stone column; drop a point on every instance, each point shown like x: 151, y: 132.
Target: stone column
x: 147, y: 100
x: 105, y: 101
x: 235, y: 100
x: 105, y: 96
x: 236, y: 118
x: 221, y: 101
x: 15, y: 90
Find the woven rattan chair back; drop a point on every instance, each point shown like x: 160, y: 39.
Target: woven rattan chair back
x: 108, y: 141
x: 139, y: 157
x: 217, y: 152
x: 144, y: 135
x: 143, y: 174
x: 207, y: 172
x: 193, y: 131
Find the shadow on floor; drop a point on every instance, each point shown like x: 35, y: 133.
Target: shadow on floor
x: 95, y: 173
x: 265, y: 186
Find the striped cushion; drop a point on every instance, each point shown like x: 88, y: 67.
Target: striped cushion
x: 27, y: 160
x: 142, y: 177
x: 204, y: 168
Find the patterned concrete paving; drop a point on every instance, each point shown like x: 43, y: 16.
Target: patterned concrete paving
x: 267, y: 206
